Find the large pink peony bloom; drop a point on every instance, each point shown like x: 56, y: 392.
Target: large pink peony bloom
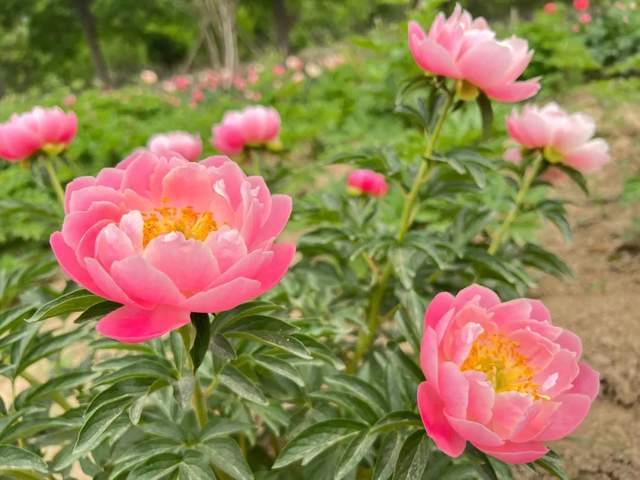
x: 466, y: 50
x: 367, y: 182
x: 500, y: 376
x: 562, y: 137
x: 49, y: 130
x: 253, y: 126
x: 166, y: 237
x: 183, y: 143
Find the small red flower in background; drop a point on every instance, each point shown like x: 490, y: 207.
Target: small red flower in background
x: 367, y: 182
x: 550, y: 7
x: 581, y: 5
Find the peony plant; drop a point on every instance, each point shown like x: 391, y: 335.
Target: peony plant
x: 195, y: 340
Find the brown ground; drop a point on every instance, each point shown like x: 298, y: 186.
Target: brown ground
x: 601, y: 303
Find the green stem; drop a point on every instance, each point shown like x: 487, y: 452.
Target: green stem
x: 57, y: 396
x: 368, y: 335
x: 528, y: 178
x: 199, y: 399
x: 53, y: 178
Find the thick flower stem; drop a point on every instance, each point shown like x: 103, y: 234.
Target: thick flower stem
x: 368, y: 335
x: 527, y: 180
x: 199, y: 400
x: 53, y: 178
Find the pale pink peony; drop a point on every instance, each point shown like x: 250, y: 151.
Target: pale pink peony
x: 550, y: 7
x: 253, y: 126
x: 367, y: 182
x: 500, y: 375
x: 47, y: 130
x: 562, y: 137
x: 465, y: 49
x: 183, y: 143
x: 278, y: 70
x: 166, y: 237
x: 585, y: 18
x: 148, y: 77
x: 294, y: 63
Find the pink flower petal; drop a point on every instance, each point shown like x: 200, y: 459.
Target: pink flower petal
x: 134, y: 325
x: 587, y: 382
x: 517, y: 453
x: 513, y: 92
x: 224, y: 297
x: 573, y: 410
x: 474, y: 432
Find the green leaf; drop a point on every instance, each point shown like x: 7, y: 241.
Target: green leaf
x: 55, y: 385
x: 225, y: 454
x: 14, y: 458
x: 200, y: 346
x: 552, y: 463
x: 222, y: 348
x: 222, y: 427
x: 98, y: 310
x: 156, y: 467
x: 388, y: 456
x: 279, y: 367
x: 414, y: 457
x: 11, y: 317
x: 574, y: 175
x: 354, y: 453
x: 91, y: 433
x: 239, y: 383
x: 350, y: 402
x: 286, y: 343
x: 76, y: 301
x: 362, y: 390
x: 314, y: 440
x: 396, y: 421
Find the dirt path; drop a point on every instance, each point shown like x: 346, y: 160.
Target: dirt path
x: 602, y: 302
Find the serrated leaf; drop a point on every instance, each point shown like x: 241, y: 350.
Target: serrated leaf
x: 239, y: 383
x: 316, y: 439
x: 76, y: 301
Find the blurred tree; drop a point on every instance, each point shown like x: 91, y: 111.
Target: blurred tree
x: 88, y: 23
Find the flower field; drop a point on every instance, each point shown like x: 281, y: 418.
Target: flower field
x: 405, y: 253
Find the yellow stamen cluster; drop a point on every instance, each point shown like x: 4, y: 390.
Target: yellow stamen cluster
x: 505, y: 367
x: 186, y: 220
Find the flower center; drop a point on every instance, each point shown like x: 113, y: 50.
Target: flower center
x: 192, y: 224
x: 53, y: 148
x: 466, y: 91
x: 551, y: 154
x: 505, y: 367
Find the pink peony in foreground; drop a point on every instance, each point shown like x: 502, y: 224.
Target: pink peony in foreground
x: 367, y: 182
x: 465, y: 49
x: 183, y: 143
x: 166, y: 237
x: 47, y: 130
x: 561, y: 137
x: 500, y: 375
x: 253, y: 127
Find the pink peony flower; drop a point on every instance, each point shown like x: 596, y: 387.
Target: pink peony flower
x: 184, y: 144
x: 550, y: 7
x: 181, y: 82
x: 581, y: 5
x: 278, y: 70
x: 500, y: 375
x: 166, y: 237
x: 48, y: 130
x: 585, y: 18
x: 197, y: 96
x: 294, y: 63
x: 367, y: 182
x: 562, y: 137
x: 466, y: 50
x: 253, y: 126
x: 69, y: 100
